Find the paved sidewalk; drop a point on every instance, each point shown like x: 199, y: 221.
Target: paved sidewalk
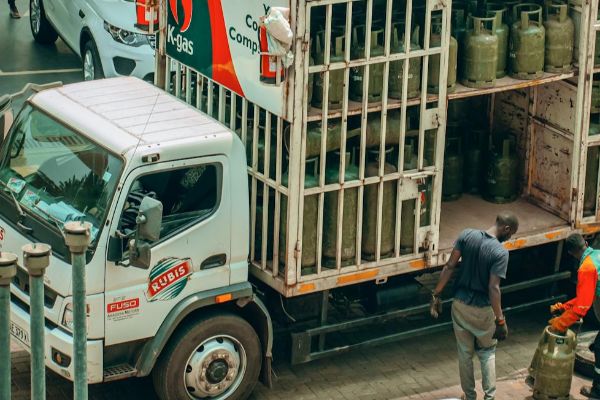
x: 508, y: 388
x: 421, y: 368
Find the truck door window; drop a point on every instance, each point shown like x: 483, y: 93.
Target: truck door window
x: 188, y: 195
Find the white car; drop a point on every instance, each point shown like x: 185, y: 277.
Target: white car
x: 102, y: 32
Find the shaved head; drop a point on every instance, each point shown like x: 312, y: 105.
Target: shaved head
x: 575, y: 245
x: 507, y: 225
x: 509, y: 219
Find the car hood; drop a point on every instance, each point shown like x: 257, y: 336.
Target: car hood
x: 119, y: 13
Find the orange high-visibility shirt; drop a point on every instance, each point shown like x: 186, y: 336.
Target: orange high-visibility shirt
x: 587, y: 278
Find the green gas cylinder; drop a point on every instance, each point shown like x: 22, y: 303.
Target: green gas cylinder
x: 452, y: 183
x: 481, y: 53
x: 575, y: 14
x: 560, y: 35
x: 555, y: 363
x: 309, y: 221
x: 501, y: 32
x: 396, y: 77
x: 392, y: 129
x: 349, y: 216
x: 508, y: 15
x: 591, y: 181
x: 501, y: 181
x: 336, y: 76
x: 595, y: 95
x: 375, y: 70
x: 473, y: 155
x: 407, y: 223
x: 594, y: 124
x: 370, y: 207
x: 433, y: 78
x: 458, y: 30
x: 527, y: 42
x: 333, y: 141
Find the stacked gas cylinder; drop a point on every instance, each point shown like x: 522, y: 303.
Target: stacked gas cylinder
x: 512, y: 37
x: 476, y: 162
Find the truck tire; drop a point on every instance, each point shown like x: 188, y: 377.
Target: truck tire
x: 90, y: 62
x: 41, y: 29
x: 216, y: 357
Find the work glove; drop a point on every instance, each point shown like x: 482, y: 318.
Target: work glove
x: 562, y: 323
x: 435, y: 305
x: 501, y: 330
x: 556, y: 308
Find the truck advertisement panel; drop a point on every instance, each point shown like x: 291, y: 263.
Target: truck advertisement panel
x: 220, y: 39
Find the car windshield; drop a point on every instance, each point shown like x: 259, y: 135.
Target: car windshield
x: 56, y: 174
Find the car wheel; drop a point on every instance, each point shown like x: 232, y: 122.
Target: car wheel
x: 217, y: 357
x: 41, y: 29
x: 92, y: 68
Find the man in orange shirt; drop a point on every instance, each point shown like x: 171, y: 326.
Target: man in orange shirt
x: 587, y: 290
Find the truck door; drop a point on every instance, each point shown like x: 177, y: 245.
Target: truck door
x: 192, y: 254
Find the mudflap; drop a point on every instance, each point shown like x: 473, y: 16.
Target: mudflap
x: 266, y: 373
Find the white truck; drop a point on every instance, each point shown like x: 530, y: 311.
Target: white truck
x: 324, y: 223
x: 93, y: 151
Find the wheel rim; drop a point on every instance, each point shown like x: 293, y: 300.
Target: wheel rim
x: 88, y: 66
x: 35, y: 16
x: 215, y: 369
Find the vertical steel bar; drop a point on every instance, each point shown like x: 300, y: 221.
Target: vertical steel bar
x: 8, y: 269
x: 36, y: 258
x: 77, y: 239
x: 188, y: 85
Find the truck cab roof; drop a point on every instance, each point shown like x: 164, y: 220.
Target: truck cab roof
x: 128, y: 114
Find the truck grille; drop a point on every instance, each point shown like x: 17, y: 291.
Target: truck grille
x: 21, y: 280
x: 25, y: 307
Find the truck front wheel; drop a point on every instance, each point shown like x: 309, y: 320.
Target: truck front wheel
x: 217, y: 357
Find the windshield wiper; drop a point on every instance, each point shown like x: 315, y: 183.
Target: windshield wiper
x: 22, y: 214
x: 8, y: 190
x: 50, y: 218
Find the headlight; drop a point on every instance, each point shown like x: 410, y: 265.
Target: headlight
x: 68, y: 321
x: 125, y: 36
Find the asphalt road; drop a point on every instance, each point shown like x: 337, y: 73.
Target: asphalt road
x: 22, y: 60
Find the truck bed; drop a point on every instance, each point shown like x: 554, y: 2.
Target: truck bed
x: 474, y: 212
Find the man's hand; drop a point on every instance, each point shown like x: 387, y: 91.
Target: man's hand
x: 435, y: 305
x: 556, y: 308
x: 501, y: 329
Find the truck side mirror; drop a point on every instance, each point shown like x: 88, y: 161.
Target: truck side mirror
x: 6, y: 117
x: 149, y: 219
x: 140, y: 254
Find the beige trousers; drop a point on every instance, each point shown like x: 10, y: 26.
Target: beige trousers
x: 474, y: 328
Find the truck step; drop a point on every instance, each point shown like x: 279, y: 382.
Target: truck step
x: 117, y: 372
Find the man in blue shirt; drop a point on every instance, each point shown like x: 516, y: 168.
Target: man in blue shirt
x: 476, y: 310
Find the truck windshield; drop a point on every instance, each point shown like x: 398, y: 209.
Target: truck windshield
x: 56, y: 175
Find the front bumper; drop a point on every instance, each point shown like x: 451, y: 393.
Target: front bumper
x: 111, y: 51
x: 57, y: 339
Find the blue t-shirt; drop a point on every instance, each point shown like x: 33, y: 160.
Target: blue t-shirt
x: 481, y: 255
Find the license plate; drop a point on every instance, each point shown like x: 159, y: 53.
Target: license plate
x: 20, y: 334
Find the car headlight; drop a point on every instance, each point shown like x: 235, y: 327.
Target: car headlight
x: 67, y: 319
x: 126, y: 37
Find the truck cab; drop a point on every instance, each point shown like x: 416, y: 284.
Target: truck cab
x: 179, y: 303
